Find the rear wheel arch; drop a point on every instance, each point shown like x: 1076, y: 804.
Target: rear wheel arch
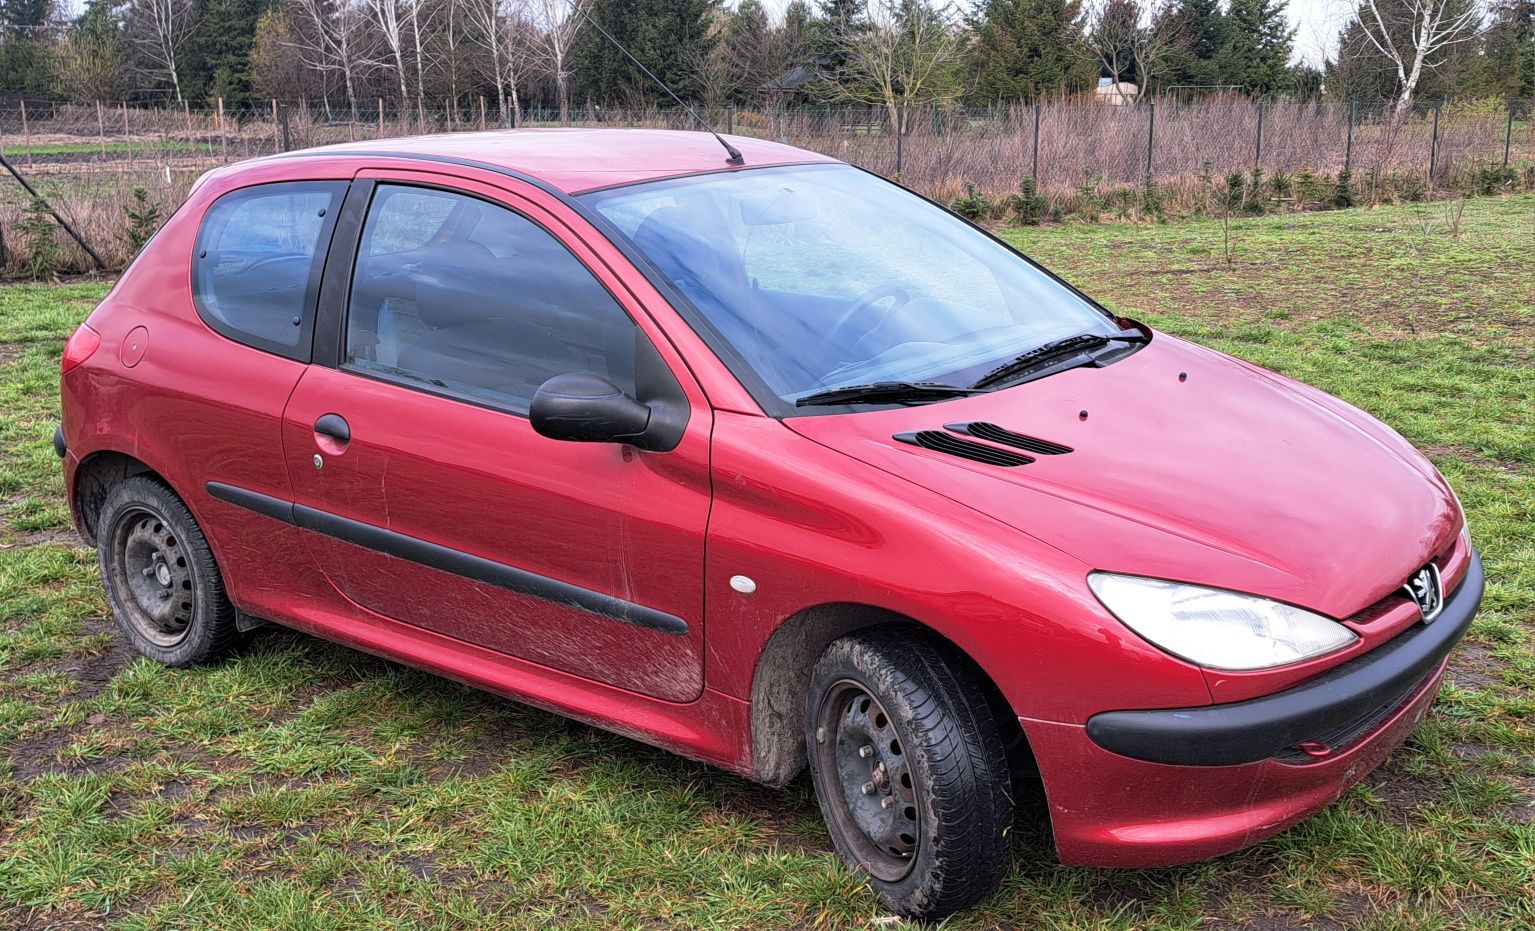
x: 782, y: 677
x: 95, y: 477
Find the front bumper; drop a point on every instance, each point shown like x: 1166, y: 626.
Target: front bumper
x: 1157, y: 788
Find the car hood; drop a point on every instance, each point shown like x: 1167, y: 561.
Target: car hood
x: 1187, y: 464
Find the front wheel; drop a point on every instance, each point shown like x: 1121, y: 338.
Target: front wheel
x: 910, y: 772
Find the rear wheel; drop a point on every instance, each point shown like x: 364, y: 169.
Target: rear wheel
x: 910, y: 772
x: 161, y: 580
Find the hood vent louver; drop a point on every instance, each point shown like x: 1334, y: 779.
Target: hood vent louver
x: 995, y: 434
x: 941, y: 442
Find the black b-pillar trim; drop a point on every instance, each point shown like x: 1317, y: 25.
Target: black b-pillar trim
x: 435, y: 556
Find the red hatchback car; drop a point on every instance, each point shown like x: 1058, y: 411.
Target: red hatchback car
x: 773, y: 464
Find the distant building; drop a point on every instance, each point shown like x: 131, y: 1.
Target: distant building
x: 1114, y: 93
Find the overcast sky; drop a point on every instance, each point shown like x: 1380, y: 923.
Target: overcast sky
x: 1316, y: 24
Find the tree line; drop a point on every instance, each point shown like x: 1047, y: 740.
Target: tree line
x: 345, y: 55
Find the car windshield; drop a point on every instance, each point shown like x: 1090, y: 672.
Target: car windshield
x: 825, y: 276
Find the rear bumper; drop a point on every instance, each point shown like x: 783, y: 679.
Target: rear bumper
x: 1196, y: 783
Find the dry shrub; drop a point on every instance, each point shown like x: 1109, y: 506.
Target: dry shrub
x: 1092, y: 158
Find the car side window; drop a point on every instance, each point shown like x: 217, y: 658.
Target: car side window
x: 256, y: 268
x: 472, y: 299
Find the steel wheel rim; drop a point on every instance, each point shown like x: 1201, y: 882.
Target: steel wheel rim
x: 153, y: 577
x: 870, y: 786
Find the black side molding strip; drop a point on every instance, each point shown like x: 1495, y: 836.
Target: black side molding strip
x: 435, y: 556
x: 1261, y: 728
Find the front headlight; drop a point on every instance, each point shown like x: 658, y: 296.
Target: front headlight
x: 1216, y: 628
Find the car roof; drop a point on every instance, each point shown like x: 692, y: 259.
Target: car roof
x: 576, y: 160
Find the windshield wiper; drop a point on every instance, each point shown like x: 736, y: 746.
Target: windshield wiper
x: 881, y: 392
x: 1041, y: 356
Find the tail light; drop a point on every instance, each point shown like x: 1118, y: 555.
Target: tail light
x: 81, y: 344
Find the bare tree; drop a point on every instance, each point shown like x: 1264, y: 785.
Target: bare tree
x: 327, y: 41
x: 498, y: 27
x: 759, y: 50
x: 1415, y: 35
x: 716, y: 70
x: 558, y: 23
x: 392, y: 19
x: 906, y: 54
x: 415, y: 33
x: 159, y: 30
x: 1130, y: 38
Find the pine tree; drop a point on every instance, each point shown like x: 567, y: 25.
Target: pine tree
x: 668, y: 36
x: 1025, y: 49
x: 1256, y: 51
x: 1202, y: 27
x: 88, y: 63
x: 216, y: 61
x: 25, y: 49
x: 1509, y: 49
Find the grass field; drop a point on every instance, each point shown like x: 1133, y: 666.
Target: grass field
x: 307, y: 786
x: 143, y: 146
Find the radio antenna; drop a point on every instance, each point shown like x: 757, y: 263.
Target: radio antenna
x: 734, y: 153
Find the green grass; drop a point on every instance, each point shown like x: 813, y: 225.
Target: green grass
x: 111, y: 148
x: 307, y: 786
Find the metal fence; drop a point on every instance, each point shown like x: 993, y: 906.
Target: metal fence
x: 87, y: 159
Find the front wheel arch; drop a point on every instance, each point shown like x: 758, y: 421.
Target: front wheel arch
x: 781, y: 681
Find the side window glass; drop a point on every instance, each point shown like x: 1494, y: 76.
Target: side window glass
x: 468, y: 297
x: 255, y: 270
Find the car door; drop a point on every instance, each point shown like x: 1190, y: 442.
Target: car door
x: 427, y: 496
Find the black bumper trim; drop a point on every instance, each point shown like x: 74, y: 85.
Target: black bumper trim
x: 439, y: 557
x: 1260, y: 729
x: 59, y: 445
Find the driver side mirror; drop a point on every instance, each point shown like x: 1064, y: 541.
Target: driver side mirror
x: 586, y: 408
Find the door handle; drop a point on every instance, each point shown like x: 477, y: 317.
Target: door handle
x: 335, y: 427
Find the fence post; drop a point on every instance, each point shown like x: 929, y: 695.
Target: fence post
x: 223, y: 138
x: 730, y: 120
x: 1258, y: 145
x: 101, y: 130
x: 1508, y: 134
x: 900, y: 136
x: 1433, y: 147
x: 282, y: 120
x: 482, y: 111
x: 26, y: 133
x: 1348, y: 146
x: 1034, y: 171
x: 1151, y: 134
x: 186, y: 109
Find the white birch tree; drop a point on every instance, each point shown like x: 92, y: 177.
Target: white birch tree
x: 159, y: 30
x: 1415, y: 35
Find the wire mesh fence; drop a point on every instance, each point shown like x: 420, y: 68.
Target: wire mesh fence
x: 88, y: 159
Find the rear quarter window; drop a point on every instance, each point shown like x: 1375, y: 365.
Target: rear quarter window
x: 256, y: 265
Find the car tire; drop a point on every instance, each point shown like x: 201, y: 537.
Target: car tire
x: 160, y: 577
x: 890, y: 717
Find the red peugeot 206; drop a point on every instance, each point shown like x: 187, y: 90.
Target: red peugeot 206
x: 774, y: 464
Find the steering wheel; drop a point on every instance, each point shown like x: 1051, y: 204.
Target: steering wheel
x: 863, y: 302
